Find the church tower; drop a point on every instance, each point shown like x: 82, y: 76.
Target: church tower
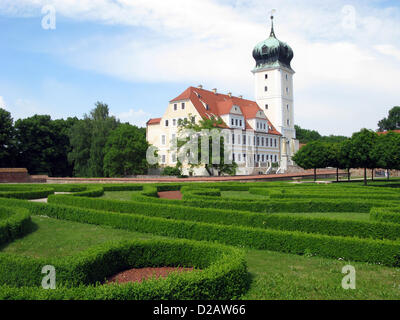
x: 274, y: 89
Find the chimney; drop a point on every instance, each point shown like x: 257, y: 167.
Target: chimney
x: 200, y: 86
x: 214, y: 90
x: 230, y: 94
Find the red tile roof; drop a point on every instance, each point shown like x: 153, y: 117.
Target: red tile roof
x: 386, y: 132
x: 221, y: 104
x: 154, y: 121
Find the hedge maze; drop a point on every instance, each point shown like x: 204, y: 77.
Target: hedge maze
x: 208, y: 230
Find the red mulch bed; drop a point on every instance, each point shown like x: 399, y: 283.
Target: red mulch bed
x: 172, y: 195
x: 138, y: 275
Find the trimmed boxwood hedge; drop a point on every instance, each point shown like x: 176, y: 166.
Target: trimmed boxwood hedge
x: 375, y: 251
x: 26, y: 193
x: 391, y: 214
x: 15, y: 223
x: 223, y: 273
x: 338, y: 227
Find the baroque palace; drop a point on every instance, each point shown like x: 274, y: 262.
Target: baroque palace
x: 262, y: 131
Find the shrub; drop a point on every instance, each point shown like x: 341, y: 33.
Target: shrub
x: 171, y: 171
x: 223, y: 272
x: 15, y: 223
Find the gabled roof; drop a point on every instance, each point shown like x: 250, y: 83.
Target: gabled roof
x: 221, y: 104
x: 386, y: 132
x: 154, y: 121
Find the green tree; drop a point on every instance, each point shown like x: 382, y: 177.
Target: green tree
x: 306, y: 136
x: 360, y: 150
x: 386, y: 151
x: 212, y: 123
x: 43, y: 144
x: 125, y: 151
x: 88, y: 139
x: 7, y: 143
x: 314, y: 155
x: 392, y: 122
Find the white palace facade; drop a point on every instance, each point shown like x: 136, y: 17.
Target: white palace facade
x: 261, y: 132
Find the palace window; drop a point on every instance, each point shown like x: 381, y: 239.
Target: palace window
x: 166, y: 123
x: 266, y: 76
x: 163, y: 139
x: 163, y: 158
x: 266, y: 107
x: 262, y: 141
x: 233, y: 122
x: 266, y: 89
x: 175, y: 106
x: 233, y: 139
x: 244, y: 139
x: 241, y: 123
x: 174, y: 122
x: 183, y: 106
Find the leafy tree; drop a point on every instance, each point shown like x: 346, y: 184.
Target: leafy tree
x: 386, y: 151
x: 360, y: 153
x: 314, y: 155
x: 7, y: 142
x: 80, y: 139
x: 43, y: 144
x: 209, y: 124
x: 392, y: 122
x: 125, y: 151
x: 171, y: 171
x: 305, y: 135
x: 88, y: 139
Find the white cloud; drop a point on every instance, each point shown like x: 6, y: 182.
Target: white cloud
x: 389, y: 50
x: 210, y: 42
x: 135, y: 117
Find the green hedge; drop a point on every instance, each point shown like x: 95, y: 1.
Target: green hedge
x: 329, y: 226
x: 356, y: 249
x: 222, y: 274
x: 90, y: 192
x: 25, y: 193
x: 390, y: 214
x: 15, y: 223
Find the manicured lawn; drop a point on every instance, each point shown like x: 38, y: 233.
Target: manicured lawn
x: 119, y: 195
x: 242, y: 195
x: 285, y: 276
x: 55, y: 238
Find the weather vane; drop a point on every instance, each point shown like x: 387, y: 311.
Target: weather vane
x: 273, y: 11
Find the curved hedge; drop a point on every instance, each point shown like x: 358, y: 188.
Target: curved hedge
x: 25, y: 192
x: 350, y: 248
x: 222, y: 274
x: 328, y: 226
x: 14, y: 223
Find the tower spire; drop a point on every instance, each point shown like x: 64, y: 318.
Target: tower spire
x: 272, y: 24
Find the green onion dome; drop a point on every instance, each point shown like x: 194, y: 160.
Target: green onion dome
x: 272, y: 52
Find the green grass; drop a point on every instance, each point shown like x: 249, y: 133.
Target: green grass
x: 57, y: 238
x: 118, y: 195
x: 242, y: 195
x: 284, y: 276
x: 359, y: 216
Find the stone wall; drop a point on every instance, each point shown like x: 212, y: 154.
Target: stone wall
x: 19, y: 175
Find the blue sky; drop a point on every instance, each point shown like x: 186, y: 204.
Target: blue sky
x: 136, y: 55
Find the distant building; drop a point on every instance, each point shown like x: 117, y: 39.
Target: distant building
x: 262, y: 131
